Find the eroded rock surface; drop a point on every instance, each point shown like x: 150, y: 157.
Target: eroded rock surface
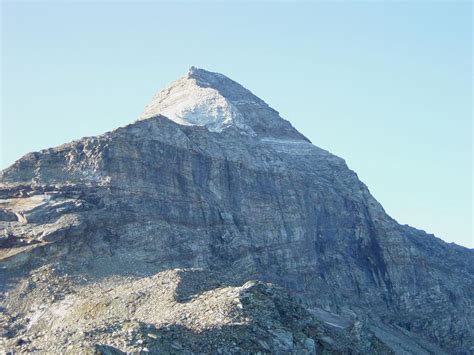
x: 219, y: 229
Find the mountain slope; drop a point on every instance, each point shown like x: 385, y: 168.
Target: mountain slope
x: 225, y: 185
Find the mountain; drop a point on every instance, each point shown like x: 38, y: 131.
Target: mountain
x: 211, y: 225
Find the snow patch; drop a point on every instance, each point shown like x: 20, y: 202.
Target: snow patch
x: 187, y: 103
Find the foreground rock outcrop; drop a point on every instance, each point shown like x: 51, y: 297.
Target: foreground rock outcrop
x: 218, y: 228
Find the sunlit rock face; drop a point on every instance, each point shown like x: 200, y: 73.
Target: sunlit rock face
x: 212, y: 179
x: 212, y: 100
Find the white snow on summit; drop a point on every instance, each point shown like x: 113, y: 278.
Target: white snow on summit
x: 214, y: 101
x: 188, y: 103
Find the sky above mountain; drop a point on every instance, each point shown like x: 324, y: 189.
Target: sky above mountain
x: 386, y: 86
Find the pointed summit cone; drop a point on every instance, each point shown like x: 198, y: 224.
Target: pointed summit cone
x: 204, y: 98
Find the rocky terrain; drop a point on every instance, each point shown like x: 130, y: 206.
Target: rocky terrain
x: 211, y: 225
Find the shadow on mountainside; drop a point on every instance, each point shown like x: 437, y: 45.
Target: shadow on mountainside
x: 245, y: 338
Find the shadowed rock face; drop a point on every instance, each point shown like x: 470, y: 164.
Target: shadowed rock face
x: 225, y: 184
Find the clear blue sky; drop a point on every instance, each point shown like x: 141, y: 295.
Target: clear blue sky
x: 385, y: 85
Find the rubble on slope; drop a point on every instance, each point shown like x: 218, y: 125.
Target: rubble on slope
x: 170, y: 312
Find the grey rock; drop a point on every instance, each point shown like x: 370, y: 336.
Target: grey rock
x: 239, y: 191
x: 7, y: 216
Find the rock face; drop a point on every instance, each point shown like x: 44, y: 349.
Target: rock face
x: 215, y: 226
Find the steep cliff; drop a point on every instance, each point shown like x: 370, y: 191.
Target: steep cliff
x: 212, y: 179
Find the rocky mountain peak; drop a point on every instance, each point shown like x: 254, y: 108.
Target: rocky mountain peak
x: 238, y: 236
x: 228, y: 88
x: 204, y: 98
